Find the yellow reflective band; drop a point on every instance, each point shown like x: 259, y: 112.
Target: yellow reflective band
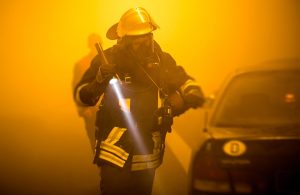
x: 156, y: 134
x: 157, y: 146
x: 115, y: 150
x: 159, y: 102
x: 157, y: 142
x: 77, y: 96
x: 124, y: 104
x: 146, y: 165
x: 111, y: 158
x: 115, y: 135
x: 187, y: 84
x: 145, y: 158
x: 111, y: 135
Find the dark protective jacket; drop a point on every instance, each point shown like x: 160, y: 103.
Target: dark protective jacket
x: 130, y: 127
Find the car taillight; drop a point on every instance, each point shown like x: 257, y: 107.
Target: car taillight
x: 206, y: 167
x: 208, y: 176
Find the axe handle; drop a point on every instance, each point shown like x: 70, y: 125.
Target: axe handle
x: 101, y: 53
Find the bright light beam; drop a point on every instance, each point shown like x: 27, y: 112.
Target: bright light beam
x: 128, y: 116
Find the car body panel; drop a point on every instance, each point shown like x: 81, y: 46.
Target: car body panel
x: 253, y: 148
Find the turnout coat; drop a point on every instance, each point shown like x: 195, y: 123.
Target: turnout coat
x: 130, y: 129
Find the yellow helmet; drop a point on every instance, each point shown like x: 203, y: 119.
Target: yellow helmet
x: 135, y: 21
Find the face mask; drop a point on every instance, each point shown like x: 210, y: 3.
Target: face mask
x: 141, y: 47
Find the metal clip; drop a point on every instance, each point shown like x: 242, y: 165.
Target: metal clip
x: 127, y: 79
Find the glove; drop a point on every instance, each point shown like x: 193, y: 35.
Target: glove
x: 106, y: 72
x: 177, y: 104
x: 194, y: 98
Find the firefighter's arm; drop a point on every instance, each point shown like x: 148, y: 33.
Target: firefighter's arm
x: 182, y: 100
x: 185, y: 92
x: 93, y: 83
x: 192, y: 94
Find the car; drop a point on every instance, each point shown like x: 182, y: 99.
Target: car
x: 252, y: 134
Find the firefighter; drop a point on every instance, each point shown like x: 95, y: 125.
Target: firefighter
x: 142, y: 89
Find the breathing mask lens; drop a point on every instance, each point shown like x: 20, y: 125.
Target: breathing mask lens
x: 141, y: 46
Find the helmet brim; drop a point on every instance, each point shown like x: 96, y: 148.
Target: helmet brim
x: 112, y: 32
x: 113, y: 35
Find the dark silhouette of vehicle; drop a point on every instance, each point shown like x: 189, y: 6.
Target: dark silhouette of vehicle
x: 252, y: 134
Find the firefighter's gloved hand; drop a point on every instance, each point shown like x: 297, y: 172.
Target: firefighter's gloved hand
x: 106, y: 72
x: 194, y: 97
x: 177, y: 104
